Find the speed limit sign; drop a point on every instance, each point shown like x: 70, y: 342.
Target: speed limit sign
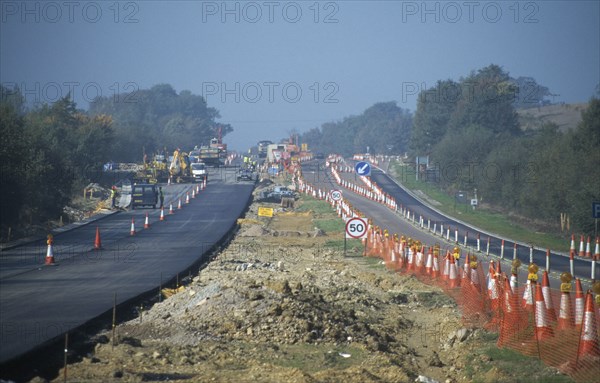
x: 336, y: 195
x: 356, y: 228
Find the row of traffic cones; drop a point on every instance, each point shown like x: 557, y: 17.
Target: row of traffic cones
x: 585, y: 248
x: 49, y: 259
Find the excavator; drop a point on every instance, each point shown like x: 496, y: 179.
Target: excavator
x: 180, y: 169
x: 153, y: 171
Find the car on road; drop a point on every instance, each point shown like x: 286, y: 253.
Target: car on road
x: 280, y: 192
x: 246, y: 175
x: 144, y: 195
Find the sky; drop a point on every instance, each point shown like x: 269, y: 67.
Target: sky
x: 276, y: 67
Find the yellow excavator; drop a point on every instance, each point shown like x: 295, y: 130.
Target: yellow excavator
x: 180, y: 169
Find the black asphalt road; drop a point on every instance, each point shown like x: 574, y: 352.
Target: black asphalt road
x: 38, y: 303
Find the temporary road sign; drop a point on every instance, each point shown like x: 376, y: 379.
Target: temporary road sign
x: 356, y: 228
x: 362, y: 168
x: 336, y: 195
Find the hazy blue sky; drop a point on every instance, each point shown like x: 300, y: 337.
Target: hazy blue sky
x: 270, y: 66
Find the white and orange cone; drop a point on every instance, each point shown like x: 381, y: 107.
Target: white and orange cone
x: 193, y: 193
x: 146, y: 222
x: 453, y: 280
x: 179, y: 204
x: 581, y: 252
x: 588, y: 344
x: 579, y: 302
x: 493, y: 288
x: 542, y: 325
x: 565, y: 318
x: 162, y: 214
x: 171, y: 208
x: 187, y: 197
x: 528, y: 295
x: 597, y: 249
x: 97, y: 241
x: 550, y: 313
x: 132, y: 230
x: 429, y: 262
x: 49, y: 251
x: 446, y: 270
x: 572, y: 247
x: 435, y: 269
x: 197, y: 189
x: 588, y: 248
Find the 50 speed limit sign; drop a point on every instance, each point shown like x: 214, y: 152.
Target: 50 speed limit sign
x: 336, y: 195
x: 356, y: 228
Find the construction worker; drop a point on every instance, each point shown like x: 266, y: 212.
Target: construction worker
x: 113, y: 196
x: 161, y: 196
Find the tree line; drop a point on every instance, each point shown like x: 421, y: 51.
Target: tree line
x: 471, y: 132
x: 50, y: 152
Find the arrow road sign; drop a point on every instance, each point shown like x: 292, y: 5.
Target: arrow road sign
x: 356, y: 228
x: 363, y: 168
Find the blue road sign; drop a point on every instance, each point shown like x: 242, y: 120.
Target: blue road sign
x: 596, y: 209
x: 362, y: 168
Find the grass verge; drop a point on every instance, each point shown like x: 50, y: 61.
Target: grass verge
x: 486, y: 220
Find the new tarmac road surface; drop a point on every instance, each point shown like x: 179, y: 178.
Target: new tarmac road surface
x: 39, y: 303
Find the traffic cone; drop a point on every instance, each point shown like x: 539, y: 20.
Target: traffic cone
x: 565, y: 319
x: 588, y: 247
x: 446, y: 270
x: 435, y: 270
x: 581, y: 246
x: 187, y: 197
x: 97, y: 242
x: 579, y: 302
x: 204, y: 184
x: 453, y: 280
x: 162, y: 214
x: 588, y: 344
x: 49, y: 251
x: 597, y: 249
x: 429, y: 262
x: 169, y: 181
x: 528, y: 295
x: 146, y: 223
x: 493, y: 288
x: 179, y: 204
x: 132, y: 230
x: 197, y: 189
x: 513, y: 283
x: 550, y: 313
x: 572, y: 247
x: 171, y: 208
x: 193, y: 193
x: 411, y: 260
x: 466, y: 268
x: 542, y: 326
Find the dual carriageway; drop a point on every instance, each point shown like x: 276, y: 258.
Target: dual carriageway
x: 38, y: 303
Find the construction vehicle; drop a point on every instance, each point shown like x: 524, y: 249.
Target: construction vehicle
x: 154, y: 171
x: 180, y: 169
x: 262, y: 148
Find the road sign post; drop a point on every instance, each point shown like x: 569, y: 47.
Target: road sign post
x: 356, y: 228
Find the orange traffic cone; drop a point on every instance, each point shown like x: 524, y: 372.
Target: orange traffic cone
x: 435, y: 270
x: 179, y: 204
x: 411, y: 260
x: 597, y: 249
x: 579, y: 302
x: 588, y: 247
x: 193, y: 193
x: 446, y: 270
x: 588, y: 344
x: 528, y: 295
x: 50, y: 252
x: 429, y: 262
x: 146, y: 223
x: 97, y: 242
x: 453, y: 280
x: 171, y: 208
x: 187, y: 197
x: 542, y: 326
x: 132, y: 230
x: 550, y: 313
x: 466, y: 268
x: 493, y: 288
x: 162, y: 214
x: 565, y: 320
x: 197, y: 189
